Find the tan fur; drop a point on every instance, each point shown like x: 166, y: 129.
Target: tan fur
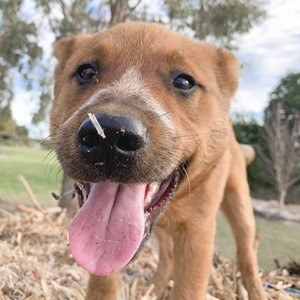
x: 248, y: 153
x: 203, y: 133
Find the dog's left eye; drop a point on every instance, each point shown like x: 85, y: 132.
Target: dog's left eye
x: 86, y: 73
x: 184, y: 82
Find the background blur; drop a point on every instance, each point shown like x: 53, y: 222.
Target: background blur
x: 265, y: 35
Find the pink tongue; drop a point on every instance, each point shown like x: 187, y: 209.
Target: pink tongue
x: 108, y: 230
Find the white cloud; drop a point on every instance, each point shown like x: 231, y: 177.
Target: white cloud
x: 269, y: 51
x: 253, y: 101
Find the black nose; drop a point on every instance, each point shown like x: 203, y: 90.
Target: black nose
x: 123, y: 137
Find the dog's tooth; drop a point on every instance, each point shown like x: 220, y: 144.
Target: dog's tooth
x: 80, y: 200
x: 83, y: 191
x: 153, y: 188
x: 147, y: 201
x: 122, y: 130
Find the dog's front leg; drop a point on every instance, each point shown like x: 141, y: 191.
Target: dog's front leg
x: 193, y: 250
x: 102, y: 288
x: 194, y: 233
x: 165, y: 265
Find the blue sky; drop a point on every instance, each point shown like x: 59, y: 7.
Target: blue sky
x: 268, y: 52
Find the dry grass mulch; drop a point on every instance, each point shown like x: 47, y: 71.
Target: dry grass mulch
x: 35, y: 263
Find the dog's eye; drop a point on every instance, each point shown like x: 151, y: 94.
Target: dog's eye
x: 86, y: 73
x: 184, y: 82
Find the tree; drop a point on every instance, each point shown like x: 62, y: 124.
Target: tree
x: 19, y: 52
x: 287, y: 93
x: 22, y: 131
x: 247, y: 132
x: 280, y: 151
x: 250, y: 132
x: 219, y: 21
x: 286, y: 98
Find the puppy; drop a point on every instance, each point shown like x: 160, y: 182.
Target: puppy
x: 140, y: 122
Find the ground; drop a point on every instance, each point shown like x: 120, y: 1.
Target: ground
x: 278, y: 240
x: 38, y: 165
x: 36, y: 264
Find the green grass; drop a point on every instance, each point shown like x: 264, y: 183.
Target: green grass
x: 41, y: 173
x: 278, y: 240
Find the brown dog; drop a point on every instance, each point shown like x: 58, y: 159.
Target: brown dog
x: 158, y: 128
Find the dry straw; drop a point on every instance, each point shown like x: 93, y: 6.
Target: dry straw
x: 96, y: 125
x: 35, y: 263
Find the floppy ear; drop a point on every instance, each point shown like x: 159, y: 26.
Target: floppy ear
x: 228, y: 72
x: 63, y: 48
x: 62, y: 51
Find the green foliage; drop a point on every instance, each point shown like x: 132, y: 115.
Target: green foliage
x: 247, y: 132
x: 5, y: 113
x: 220, y: 20
x: 19, y: 49
x: 251, y: 133
x: 77, y: 16
x: 22, y: 131
x: 287, y: 93
x: 7, y: 124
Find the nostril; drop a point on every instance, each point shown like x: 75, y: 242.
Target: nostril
x: 89, y: 138
x: 130, y: 142
x: 124, y: 137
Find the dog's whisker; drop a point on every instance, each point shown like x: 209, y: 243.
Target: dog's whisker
x: 49, y: 123
x: 58, y: 172
x: 54, y: 165
x: 51, y: 161
x: 48, y: 154
x: 45, y: 139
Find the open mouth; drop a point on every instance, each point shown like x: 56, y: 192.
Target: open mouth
x: 114, y: 219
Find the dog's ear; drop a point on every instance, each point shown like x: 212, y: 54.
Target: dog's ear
x: 63, y: 48
x: 228, y: 72
x: 62, y: 51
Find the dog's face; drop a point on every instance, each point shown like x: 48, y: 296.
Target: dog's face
x: 133, y: 106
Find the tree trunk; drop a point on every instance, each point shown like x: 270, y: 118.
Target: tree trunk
x: 67, y: 201
x: 282, y: 198
x: 118, y: 12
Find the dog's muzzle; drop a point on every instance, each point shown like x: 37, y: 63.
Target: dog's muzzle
x: 120, y: 204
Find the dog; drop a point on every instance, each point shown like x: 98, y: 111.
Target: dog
x: 140, y: 121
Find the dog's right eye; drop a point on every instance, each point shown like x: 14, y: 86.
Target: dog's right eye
x: 184, y: 83
x: 86, y: 73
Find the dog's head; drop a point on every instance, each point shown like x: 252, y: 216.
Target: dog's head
x: 134, y: 106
